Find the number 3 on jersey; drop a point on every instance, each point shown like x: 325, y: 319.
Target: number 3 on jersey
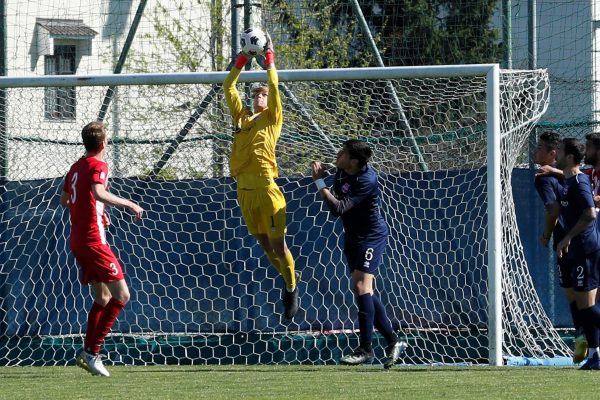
x: 74, y: 187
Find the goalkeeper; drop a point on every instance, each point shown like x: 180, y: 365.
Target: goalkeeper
x: 254, y: 167
x: 355, y: 197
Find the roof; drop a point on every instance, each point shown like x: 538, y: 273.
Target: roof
x: 66, y: 27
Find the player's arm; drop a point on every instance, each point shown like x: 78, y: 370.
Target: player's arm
x: 64, y: 199
x: 236, y: 108
x: 551, y: 207
x: 585, y: 201
x: 551, y: 212
x: 274, y: 99
x: 336, y: 206
x: 587, y: 217
x: 103, y: 195
x: 548, y: 170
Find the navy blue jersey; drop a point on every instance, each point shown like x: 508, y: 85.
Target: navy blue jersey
x: 575, y: 197
x: 549, y: 189
x: 359, y: 202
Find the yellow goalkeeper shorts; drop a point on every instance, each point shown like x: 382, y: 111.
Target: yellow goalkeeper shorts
x: 263, y: 210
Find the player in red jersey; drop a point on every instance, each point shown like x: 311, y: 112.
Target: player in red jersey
x: 85, y: 193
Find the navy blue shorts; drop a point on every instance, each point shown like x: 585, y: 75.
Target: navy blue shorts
x: 565, y: 278
x: 585, y: 271
x: 365, y: 256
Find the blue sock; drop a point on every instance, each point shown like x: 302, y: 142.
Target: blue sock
x: 591, y: 321
x: 576, y: 318
x: 366, y: 314
x: 382, y: 322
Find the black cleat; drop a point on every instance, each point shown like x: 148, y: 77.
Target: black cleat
x: 291, y: 301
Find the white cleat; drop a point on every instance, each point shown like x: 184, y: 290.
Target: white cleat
x: 91, y: 363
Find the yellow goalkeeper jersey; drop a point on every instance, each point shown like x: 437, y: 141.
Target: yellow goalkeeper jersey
x: 252, y: 160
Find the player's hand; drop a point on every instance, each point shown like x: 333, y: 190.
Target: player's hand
x: 242, y: 59
x: 269, y: 53
x: 546, y: 170
x: 544, y: 240
x: 563, y: 247
x: 318, y: 172
x: 137, y: 211
x: 597, y: 201
x: 269, y: 45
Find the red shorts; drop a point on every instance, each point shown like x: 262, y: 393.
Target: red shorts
x: 98, y: 263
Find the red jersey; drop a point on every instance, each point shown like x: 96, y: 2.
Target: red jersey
x: 594, y: 176
x: 86, y: 212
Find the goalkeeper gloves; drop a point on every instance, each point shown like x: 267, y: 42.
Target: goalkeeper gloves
x: 269, y: 51
x: 241, y: 60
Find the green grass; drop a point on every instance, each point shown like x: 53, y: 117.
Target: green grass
x: 298, y: 382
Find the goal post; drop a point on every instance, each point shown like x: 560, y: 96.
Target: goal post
x: 454, y: 278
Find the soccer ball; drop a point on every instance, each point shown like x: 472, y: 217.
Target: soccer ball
x: 253, y: 41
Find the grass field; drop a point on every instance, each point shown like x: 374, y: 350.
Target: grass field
x: 299, y: 382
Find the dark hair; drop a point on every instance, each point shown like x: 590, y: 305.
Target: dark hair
x: 551, y: 140
x: 93, y: 135
x: 594, y: 138
x: 358, y: 150
x: 575, y: 148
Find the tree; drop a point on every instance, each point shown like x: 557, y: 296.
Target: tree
x: 435, y: 32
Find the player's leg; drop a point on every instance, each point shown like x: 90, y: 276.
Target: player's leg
x: 101, y: 298
x: 250, y: 208
x: 119, y: 296
x: 591, y: 321
x: 273, y: 223
x: 273, y: 219
x: 580, y: 344
x: 363, y: 290
x: 565, y: 281
x: 395, y: 347
x: 264, y: 242
x: 87, y: 358
x: 289, y: 294
x: 585, y: 277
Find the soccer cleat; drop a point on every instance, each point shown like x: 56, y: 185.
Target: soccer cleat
x: 359, y: 356
x: 291, y: 300
x: 392, y: 353
x: 592, y: 363
x: 581, y: 347
x: 82, y: 362
x: 91, y: 363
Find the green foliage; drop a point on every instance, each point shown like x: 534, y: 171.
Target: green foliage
x: 183, y: 44
x: 314, y: 34
x: 437, y: 32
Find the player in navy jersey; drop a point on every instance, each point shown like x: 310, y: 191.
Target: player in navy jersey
x: 85, y: 193
x: 355, y: 197
x: 581, y: 243
x: 549, y: 188
x: 592, y: 158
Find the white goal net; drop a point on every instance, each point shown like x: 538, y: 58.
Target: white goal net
x: 202, y: 290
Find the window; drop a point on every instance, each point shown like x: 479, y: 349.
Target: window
x: 60, y: 102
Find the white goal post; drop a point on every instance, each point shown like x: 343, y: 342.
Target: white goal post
x: 445, y: 141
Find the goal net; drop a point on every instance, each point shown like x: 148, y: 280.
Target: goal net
x: 202, y: 289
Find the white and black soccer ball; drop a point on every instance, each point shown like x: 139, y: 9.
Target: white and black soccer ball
x: 253, y: 41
